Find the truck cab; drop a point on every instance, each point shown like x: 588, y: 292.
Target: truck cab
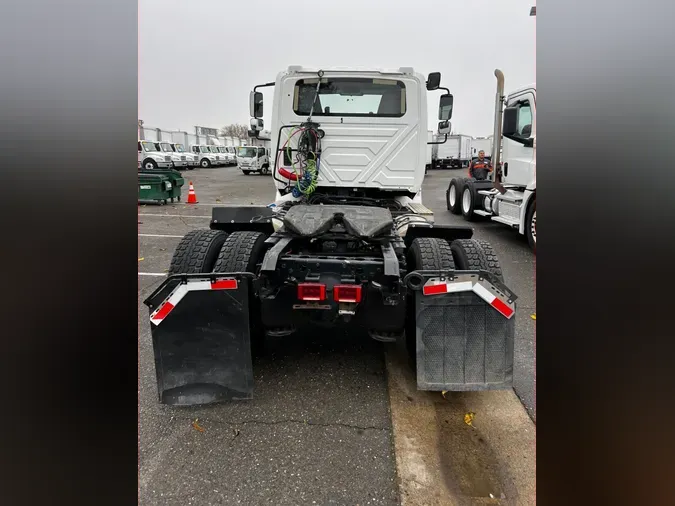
x: 220, y: 159
x: 152, y: 157
x: 233, y: 153
x: 373, y: 124
x: 253, y: 159
x: 518, y: 144
x: 206, y: 157
x: 192, y: 160
x: 510, y: 196
x: 179, y: 161
x: 227, y: 155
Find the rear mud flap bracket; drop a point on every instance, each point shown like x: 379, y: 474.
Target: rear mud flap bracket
x: 465, y: 330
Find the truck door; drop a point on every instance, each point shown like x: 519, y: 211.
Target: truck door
x: 519, y: 157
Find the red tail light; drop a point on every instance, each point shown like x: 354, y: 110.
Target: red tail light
x: 347, y: 293
x: 311, y: 291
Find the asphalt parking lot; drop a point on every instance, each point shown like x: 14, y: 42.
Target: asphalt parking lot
x: 336, y: 418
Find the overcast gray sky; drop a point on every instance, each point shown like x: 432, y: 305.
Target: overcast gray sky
x: 198, y: 59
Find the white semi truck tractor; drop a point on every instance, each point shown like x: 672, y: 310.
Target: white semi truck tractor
x: 346, y: 244
x: 508, y: 195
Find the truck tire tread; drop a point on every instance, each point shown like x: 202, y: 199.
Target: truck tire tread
x: 468, y: 216
x: 432, y: 253
x: 476, y: 254
x: 240, y: 252
x: 197, y: 251
x: 425, y: 253
x: 458, y: 183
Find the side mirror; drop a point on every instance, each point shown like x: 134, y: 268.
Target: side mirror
x: 257, y: 124
x: 256, y: 104
x: 445, y: 107
x: 444, y: 127
x: 510, y: 127
x: 433, y: 81
x: 527, y: 131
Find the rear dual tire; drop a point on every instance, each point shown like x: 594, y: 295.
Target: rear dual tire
x: 241, y: 252
x: 476, y: 254
x: 453, y: 196
x: 203, y: 251
x: 197, y: 252
x: 427, y: 253
x: 468, y: 202
x: 244, y: 252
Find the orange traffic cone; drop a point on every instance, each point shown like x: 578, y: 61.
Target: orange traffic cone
x: 192, y: 196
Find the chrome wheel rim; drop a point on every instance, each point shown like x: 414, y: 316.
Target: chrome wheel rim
x: 453, y: 195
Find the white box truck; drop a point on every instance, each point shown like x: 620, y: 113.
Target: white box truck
x: 455, y: 153
x: 254, y: 158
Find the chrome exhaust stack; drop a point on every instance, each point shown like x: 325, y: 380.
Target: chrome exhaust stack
x: 497, y: 133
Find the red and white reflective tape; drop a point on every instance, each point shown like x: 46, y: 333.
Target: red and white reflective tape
x: 437, y: 287
x: 181, y: 290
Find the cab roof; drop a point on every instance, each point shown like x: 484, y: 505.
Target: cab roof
x: 299, y: 69
x: 532, y: 86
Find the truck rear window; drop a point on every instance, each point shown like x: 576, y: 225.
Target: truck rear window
x: 349, y: 96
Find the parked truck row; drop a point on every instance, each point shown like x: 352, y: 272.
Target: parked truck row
x: 168, y: 154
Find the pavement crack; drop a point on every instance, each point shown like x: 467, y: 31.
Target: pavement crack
x: 186, y: 223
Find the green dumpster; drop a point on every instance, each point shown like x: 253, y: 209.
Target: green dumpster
x: 174, y: 177
x: 155, y: 187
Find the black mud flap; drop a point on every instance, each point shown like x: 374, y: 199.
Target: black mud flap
x: 201, y: 338
x: 465, y: 330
